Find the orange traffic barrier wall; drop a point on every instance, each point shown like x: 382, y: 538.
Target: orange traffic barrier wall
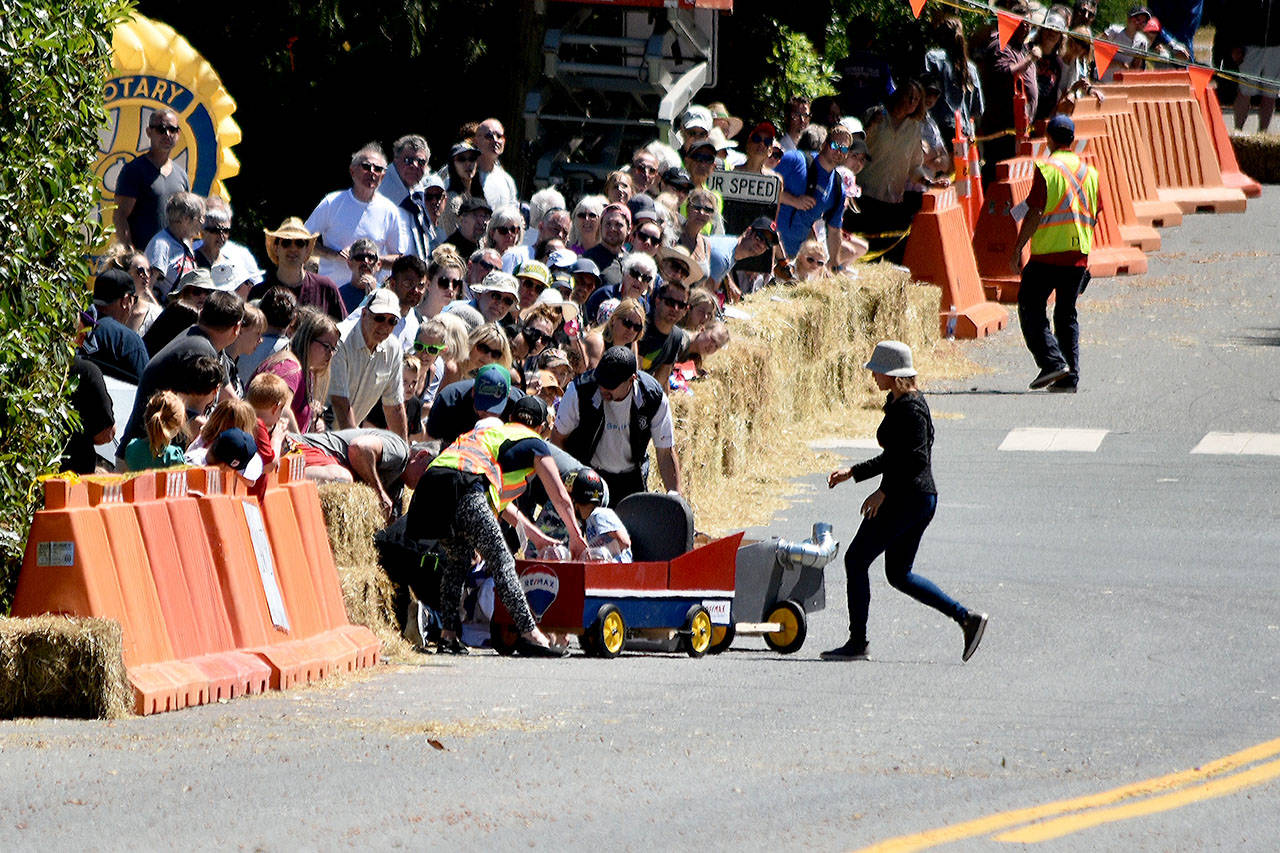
x: 1103, y: 155
x: 305, y: 497
x: 1133, y: 151
x: 997, y: 231
x: 938, y: 251
x: 1186, y: 164
x: 1211, y: 111
x: 198, y: 574
x: 1110, y: 254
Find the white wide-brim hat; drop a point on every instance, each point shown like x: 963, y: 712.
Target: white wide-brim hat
x: 891, y: 358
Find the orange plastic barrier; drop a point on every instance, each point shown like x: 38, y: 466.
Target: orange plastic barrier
x: 1110, y: 254
x: 1186, y: 164
x: 1133, y: 152
x: 305, y: 497
x: 997, y: 230
x: 1211, y: 110
x: 939, y: 251
x: 1104, y: 156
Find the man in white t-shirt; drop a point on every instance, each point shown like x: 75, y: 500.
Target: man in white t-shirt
x: 608, y: 417
x: 344, y: 216
x: 499, y: 187
x: 1128, y: 34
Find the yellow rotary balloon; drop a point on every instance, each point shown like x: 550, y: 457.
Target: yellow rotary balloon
x: 156, y: 68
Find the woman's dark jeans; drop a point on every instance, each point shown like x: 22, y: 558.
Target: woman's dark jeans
x: 894, y: 531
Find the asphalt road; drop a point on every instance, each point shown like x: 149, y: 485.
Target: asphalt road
x: 1135, y: 634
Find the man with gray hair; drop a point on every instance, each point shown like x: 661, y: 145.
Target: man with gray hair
x: 217, y: 228
x: 344, y: 216
x: 403, y: 185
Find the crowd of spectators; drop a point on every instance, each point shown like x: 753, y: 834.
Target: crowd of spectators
x: 360, y: 340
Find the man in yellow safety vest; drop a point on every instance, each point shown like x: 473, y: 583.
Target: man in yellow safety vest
x: 1062, y: 211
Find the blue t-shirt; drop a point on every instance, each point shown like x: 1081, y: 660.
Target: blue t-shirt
x: 795, y: 225
x: 721, y: 256
x: 596, y: 531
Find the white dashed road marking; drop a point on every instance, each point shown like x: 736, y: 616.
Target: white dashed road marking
x: 1248, y: 443
x: 1054, y: 439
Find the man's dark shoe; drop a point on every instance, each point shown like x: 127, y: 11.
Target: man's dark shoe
x: 452, y: 646
x: 1048, y: 376
x: 1062, y: 387
x: 849, y: 651
x: 974, y: 625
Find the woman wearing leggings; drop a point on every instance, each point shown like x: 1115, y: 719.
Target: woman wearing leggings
x: 895, y: 516
x: 468, y: 485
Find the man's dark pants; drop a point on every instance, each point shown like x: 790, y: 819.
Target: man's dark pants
x: 1062, y: 346
x: 623, y: 484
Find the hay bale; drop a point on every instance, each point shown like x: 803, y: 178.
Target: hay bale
x: 794, y: 367
x: 352, y: 516
x: 1259, y: 156
x: 375, y: 602
x: 59, y: 666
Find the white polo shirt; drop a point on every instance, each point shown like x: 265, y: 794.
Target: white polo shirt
x: 366, y: 377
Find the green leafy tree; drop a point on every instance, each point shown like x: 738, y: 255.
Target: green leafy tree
x: 54, y: 57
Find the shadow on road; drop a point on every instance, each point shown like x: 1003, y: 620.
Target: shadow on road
x: 1263, y: 338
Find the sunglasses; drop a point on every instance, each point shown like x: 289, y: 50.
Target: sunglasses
x: 586, y: 214
x: 432, y: 349
x: 414, y: 161
x: 385, y: 319
x: 675, y: 303
x: 835, y: 146
x: 449, y: 283
x: 632, y: 325
x: 433, y: 195
x: 507, y: 229
x: 760, y: 139
x: 809, y: 259
x: 142, y: 271
x: 702, y: 208
x: 535, y: 337
x: 642, y: 167
x: 364, y: 257
x: 165, y: 128
x: 291, y: 243
x: 702, y: 158
x: 486, y: 266
x: 532, y: 284
x: 328, y: 347
x: 651, y: 239
x: 217, y: 229
x: 505, y: 298
x: 642, y: 276
x: 676, y: 270
x: 468, y: 158
x: 492, y: 352
x: 373, y: 168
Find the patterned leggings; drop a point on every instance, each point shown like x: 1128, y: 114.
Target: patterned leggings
x: 480, y: 532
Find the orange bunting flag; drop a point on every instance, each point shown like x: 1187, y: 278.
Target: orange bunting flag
x: 1200, y: 77
x: 1103, y: 53
x: 1008, y: 25
x: 916, y: 6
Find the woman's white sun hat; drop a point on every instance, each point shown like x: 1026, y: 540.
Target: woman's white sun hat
x: 892, y: 358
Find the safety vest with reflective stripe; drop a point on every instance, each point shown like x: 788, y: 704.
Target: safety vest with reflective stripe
x: 476, y: 452
x: 1071, y: 206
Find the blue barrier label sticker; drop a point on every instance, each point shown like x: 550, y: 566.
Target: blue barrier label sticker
x: 56, y: 554
x: 719, y: 610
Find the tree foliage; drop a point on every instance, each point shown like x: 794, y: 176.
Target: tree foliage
x: 53, y: 60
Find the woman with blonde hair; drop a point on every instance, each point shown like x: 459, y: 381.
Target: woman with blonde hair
x: 145, y: 308
x: 618, y: 188
x: 505, y: 235
x: 895, y: 516
x: 164, y: 419
x: 487, y: 344
x: 584, y: 233
x: 446, y: 275
x: 702, y: 308
x: 228, y: 414
x: 304, y: 366
x: 811, y: 260
x: 623, y: 328
x: 455, y: 352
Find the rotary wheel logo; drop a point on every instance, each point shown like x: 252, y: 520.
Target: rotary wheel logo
x: 155, y: 68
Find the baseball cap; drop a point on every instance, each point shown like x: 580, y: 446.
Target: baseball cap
x: 768, y: 127
x: 859, y: 146
x: 562, y: 259
x: 1139, y: 10
x: 383, y: 301
x: 461, y: 148
x: 497, y: 282
x: 696, y: 116
x: 678, y: 178
x: 852, y: 125
x: 112, y: 284
x: 226, y: 275
x: 529, y: 410
x: 616, y: 366
x: 586, y: 266
x: 492, y: 385
x: 535, y: 270
x: 236, y: 449
x: 474, y: 203
x: 766, y: 228
x: 1061, y: 129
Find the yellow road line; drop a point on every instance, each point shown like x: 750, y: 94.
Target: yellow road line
x: 1005, y: 820
x: 1052, y: 829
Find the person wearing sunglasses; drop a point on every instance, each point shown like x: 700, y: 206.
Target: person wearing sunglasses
x: 480, y: 263
x: 584, y: 232
x: 365, y: 266
x: 646, y: 233
x: 496, y: 298
x: 813, y: 194
x: 135, y: 263
x: 344, y: 216
x: 216, y: 230
x: 473, y: 220
x: 759, y: 146
x: 724, y: 253
x: 700, y: 159
x: 623, y: 328
x: 408, y: 283
x: 231, y: 251
x: 367, y: 366
x: 811, y: 261
x: 431, y: 348
x: 288, y: 248
x: 499, y: 188
x: 663, y: 339
x: 644, y: 172
x: 460, y: 183
x: 609, y: 416
x: 408, y: 170
x: 446, y: 277
x: 532, y: 278
x: 537, y: 327
x: 146, y: 182
x: 700, y: 213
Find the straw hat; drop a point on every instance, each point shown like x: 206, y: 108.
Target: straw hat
x: 292, y: 228
x: 719, y: 112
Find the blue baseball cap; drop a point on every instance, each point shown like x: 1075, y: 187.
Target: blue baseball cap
x: 1061, y: 128
x: 492, y: 385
